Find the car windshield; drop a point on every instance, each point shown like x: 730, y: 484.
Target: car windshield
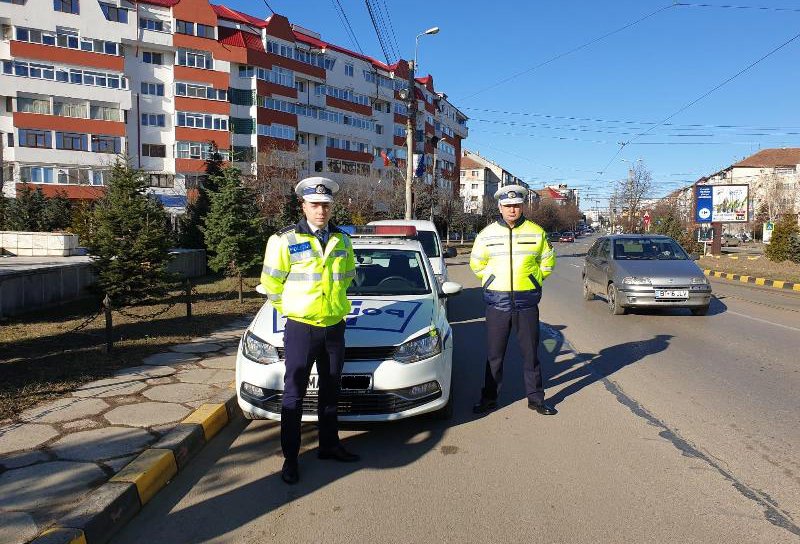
x: 650, y: 249
x: 381, y: 271
x: 429, y: 243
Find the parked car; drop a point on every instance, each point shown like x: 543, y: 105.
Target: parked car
x: 566, y: 236
x: 639, y: 270
x: 729, y: 240
x: 431, y: 243
x: 553, y: 236
x: 399, y: 354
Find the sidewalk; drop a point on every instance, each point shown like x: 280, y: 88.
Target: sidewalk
x: 54, y: 455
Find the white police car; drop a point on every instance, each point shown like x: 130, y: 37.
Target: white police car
x: 399, y: 345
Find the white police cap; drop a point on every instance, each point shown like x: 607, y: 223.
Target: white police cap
x: 317, y: 189
x: 511, y: 194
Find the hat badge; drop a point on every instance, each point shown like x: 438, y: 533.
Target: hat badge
x: 320, y: 189
x: 512, y: 194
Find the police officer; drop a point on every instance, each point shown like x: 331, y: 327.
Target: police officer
x: 512, y: 257
x: 307, y: 269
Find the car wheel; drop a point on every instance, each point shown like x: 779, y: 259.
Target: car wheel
x: 614, y: 304
x: 587, y: 291
x: 703, y: 310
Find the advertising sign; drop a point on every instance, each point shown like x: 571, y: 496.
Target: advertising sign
x: 730, y: 203
x: 704, y: 199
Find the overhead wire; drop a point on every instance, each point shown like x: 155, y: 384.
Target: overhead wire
x: 384, y: 30
x: 391, y: 27
x: 348, y: 28
x: 729, y: 6
x: 377, y: 31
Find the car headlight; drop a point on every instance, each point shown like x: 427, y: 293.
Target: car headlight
x: 256, y: 349
x: 633, y: 280
x: 700, y: 280
x: 423, y: 347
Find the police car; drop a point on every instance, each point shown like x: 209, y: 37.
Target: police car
x: 399, y: 345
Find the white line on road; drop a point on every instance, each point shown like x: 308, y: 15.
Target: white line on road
x: 575, y: 265
x: 763, y: 320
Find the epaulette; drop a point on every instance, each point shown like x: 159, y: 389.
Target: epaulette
x: 285, y: 230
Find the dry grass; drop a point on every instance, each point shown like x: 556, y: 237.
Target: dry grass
x: 759, y: 268
x: 40, y: 359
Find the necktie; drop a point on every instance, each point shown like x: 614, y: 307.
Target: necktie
x: 322, y: 234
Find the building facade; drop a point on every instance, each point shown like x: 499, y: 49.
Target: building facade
x: 479, y: 179
x: 165, y: 82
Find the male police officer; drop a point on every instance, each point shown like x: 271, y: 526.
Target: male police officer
x: 512, y: 257
x: 307, y: 269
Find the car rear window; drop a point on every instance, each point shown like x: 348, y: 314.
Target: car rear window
x: 429, y: 242
x: 648, y: 249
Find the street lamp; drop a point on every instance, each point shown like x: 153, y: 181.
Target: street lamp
x: 411, y: 122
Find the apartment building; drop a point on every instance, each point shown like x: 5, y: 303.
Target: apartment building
x: 479, y: 179
x: 167, y: 81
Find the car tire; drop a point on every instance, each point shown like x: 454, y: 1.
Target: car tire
x: 587, y: 291
x: 614, y: 304
x: 703, y: 310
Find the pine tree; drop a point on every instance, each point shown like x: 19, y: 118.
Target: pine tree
x: 57, y: 213
x: 27, y: 210
x: 3, y: 211
x: 780, y: 245
x: 232, y: 227
x: 129, y: 245
x: 196, y: 211
x: 291, y: 212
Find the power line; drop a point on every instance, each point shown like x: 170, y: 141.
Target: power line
x: 377, y: 31
x: 728, y: 6
x: 384, y: 30
x: 337, y: 6
x: 391, y: 27
x: 569, y: 52
x: 269, y: 7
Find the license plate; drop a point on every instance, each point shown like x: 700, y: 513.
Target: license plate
x: 349, y: 382
x: 313, y: 383
x: 672, y: 293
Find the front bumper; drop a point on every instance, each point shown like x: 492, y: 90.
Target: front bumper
x: 641, y: 296
x: 387, y: 399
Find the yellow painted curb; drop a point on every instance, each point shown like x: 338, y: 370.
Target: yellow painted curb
x: 76, y: 535
x: 212, y: 417
x: 796, y: 287
x: 717, y: 274
x: 778, y: 283
x: 150, y: 472
x: 707, y: 272
x: 729, y: 276
x: 754, y: 258
x: 733, y: 256
x: 760, y: 281
x: 744, y: 278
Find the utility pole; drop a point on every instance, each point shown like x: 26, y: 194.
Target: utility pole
x: 411, y: 125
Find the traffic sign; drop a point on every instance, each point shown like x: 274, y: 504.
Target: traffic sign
x: 646, y: 219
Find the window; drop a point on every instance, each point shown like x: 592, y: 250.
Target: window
x: 104, y: 113
x: 164, y: 181
x: 348, y: 167
x: 72, y: 141
x: 244, y: 154
x: 154, y: 150
x: 16, y: 2
x: 193, y: 181
x: 246, y: 71
x: 153, y: 119
x: 275, y: 130
x: 197, y: 150
x: 300, y: 86
x: 474, y: 186
x: 70, y: 109
x: 152, y: 58
x: 195, y: 59
x: 329, y: 63
x: 202, y: 120
x: 184, y: 27
x: 154, y: 89
x: 66, y: 6
x: 73, y: 176
x: 114, y: 13
x: 36, y: 174
x: 205, y: 31
x: 277, y: 75
x: 99, y: 177
x: 200, y: 91
x: 33, y: 105
x: 106, y: 144
x: 35, y: 138
x: 348, y: 70
x: 151, y: 24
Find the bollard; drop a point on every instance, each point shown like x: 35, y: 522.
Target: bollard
x: 188, y: 299
x: 109, y: 324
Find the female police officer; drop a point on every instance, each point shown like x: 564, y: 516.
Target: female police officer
x: 307, y: 269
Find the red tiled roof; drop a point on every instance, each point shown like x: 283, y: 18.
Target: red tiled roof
x: 310, y: 40
x: 162, y: 3
x: 470, y: 164
x: 770, y: 158
x: 240, y: 38
x: 549, y: 192
x: 237, y: 16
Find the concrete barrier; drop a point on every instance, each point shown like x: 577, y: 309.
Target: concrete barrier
x: 38, y: 244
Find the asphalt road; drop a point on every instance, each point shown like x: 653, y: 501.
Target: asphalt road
x: 671, y: 428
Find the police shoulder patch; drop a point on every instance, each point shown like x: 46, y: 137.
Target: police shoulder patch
x: 285, y: 230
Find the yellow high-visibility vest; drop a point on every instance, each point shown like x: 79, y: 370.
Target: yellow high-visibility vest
x: 512, y: 263
x: 306, y: 282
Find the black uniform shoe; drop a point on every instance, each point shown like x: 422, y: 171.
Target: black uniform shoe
x: 543, y: 408
x: 290, y: 474
x: 484, y: 406
x: 339, y: 454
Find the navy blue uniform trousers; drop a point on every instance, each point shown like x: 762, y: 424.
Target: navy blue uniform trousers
x: 304, y: 345
x: 525, y: 324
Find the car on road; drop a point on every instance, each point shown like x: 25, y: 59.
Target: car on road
x: 399, y: 344
x: 553, y: 236
x: 566, y: 236
x: 639, y: 270
x: 729, y: 240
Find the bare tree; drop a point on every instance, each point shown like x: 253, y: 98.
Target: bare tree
x: 629, y: 194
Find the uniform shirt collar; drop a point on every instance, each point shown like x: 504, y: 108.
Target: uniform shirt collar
x: 519, y: 222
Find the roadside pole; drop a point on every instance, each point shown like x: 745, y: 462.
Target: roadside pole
x: 411, y: 121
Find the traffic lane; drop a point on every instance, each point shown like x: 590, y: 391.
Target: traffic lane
x: 728, y: 383
x: 583, y: 476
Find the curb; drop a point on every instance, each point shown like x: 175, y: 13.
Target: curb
x: 777, y: 284
x: 112, y: 505
x: 748, y: 257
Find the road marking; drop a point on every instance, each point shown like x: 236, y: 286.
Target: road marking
x: 763, y: 320
x: 575, y: 265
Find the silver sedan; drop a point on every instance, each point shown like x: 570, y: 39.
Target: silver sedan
x: 639, y: 270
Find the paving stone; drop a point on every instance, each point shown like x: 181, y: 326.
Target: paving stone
x: 200, y: 347
x: 99, y: 444
x: 66, y: 409
x: 227, y: 362
x: 16, y: 528
x: 206, y: 375
x: 146, y: 414
x: 42, y: 485
x: 111, y: 387
x: 18, y: 460
x: 25, y: 436
x: 158, y: 381
x: 168, y: 358
x: 180, y: 392
x: 147, y: 371
x: 81, y: 425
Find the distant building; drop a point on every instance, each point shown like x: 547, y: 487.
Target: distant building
x: 479, y: 180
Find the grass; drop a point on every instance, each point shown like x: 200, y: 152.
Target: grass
x: 40, y: 359
x: 759, y: 268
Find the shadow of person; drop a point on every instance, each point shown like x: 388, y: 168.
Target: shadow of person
x: 589, y: 368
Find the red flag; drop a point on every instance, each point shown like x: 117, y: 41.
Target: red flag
x: 386, y: 161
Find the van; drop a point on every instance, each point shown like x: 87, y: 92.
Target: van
x: 431, y: 243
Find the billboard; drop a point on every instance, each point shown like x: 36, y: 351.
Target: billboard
x: 705, y: 203
x: 730, y: 203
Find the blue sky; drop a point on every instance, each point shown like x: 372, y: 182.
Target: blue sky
x: 570, y: 115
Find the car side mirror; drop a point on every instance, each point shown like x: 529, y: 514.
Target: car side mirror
x: 260, y: 289
x: 449, y: 289
x: 450, y: 252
